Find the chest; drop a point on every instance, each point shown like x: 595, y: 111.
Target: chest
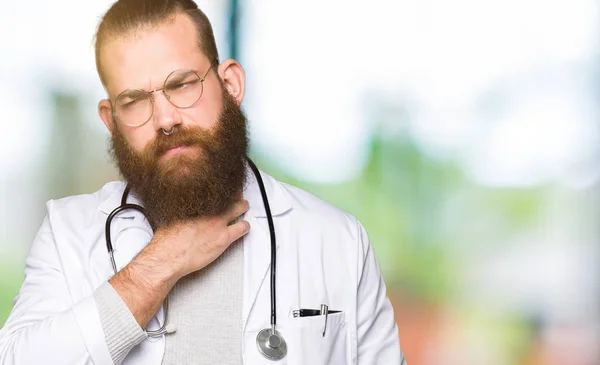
x: 313, y: 268
x: 205, y: 308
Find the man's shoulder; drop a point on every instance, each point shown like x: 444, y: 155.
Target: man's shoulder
x: 325, y: 224
x: 85, y: 203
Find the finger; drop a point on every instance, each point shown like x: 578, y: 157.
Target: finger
x: 238, y: 230
x: 237, y: 210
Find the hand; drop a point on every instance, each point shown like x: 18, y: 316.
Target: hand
x: 174, y: 252
x: 190, y: 246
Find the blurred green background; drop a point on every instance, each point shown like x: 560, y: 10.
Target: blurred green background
x: 463, y: 135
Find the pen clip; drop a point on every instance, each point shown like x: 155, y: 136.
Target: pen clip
x: 325, y: 311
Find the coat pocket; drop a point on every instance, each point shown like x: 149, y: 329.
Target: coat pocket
x: 305, y: 342
x: 308, y: 345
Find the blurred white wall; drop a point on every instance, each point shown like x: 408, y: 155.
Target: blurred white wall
x: 509, y: 86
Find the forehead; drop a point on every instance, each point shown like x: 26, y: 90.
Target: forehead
x: 143, y: 59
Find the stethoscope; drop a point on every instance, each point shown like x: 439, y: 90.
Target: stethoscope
x: 269, y: 341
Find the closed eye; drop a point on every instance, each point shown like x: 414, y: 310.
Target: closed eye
x: 131, y: 103
x: 182, y: 85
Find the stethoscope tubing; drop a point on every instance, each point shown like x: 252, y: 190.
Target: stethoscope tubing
x: 263, y: 193
x: 125, y: 206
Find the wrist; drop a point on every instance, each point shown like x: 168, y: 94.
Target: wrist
x: 154, y: 269
x: 142, y: 285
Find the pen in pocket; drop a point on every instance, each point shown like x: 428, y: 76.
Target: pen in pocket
x: 315, y: 312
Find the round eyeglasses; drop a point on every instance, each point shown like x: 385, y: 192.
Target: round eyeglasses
x: 182, y: 88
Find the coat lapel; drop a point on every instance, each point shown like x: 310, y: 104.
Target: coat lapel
x: 257, y: 261
x: 257, y: 243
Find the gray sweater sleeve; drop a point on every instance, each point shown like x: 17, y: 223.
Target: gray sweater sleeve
x: 121, y: 330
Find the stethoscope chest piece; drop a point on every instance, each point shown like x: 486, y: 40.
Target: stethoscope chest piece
x: 271, y: 344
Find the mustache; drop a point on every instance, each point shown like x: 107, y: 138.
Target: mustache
x: 183, y: 136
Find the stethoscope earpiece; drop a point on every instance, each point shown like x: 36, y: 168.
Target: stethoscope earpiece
x: 271, y: 344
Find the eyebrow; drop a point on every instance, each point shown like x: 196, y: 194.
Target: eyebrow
x: 131, y: 94
x: 178, y: 79
x: 182, y: 77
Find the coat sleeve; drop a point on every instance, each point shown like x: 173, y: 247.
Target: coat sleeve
x: 377, y: 331
x: 45, y: 326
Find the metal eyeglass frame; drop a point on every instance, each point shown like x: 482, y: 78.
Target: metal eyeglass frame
x: 150, y: 93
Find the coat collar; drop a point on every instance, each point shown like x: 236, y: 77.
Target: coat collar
x: 278, y: 201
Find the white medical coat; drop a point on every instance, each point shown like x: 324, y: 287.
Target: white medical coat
x: 323, y: 257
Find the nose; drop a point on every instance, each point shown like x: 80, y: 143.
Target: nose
x: 166, y: 115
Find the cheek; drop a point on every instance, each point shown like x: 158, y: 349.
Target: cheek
x: 205, y: 113
x: 139, y: 137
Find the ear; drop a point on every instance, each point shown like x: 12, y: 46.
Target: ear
x: 105, y: 113
x: 234, y: 79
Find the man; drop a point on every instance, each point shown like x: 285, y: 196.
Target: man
x: 202, y: 247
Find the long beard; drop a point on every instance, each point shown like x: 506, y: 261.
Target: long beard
x: 202, y: 182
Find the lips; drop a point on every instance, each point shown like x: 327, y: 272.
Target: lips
x: 175, y: 150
